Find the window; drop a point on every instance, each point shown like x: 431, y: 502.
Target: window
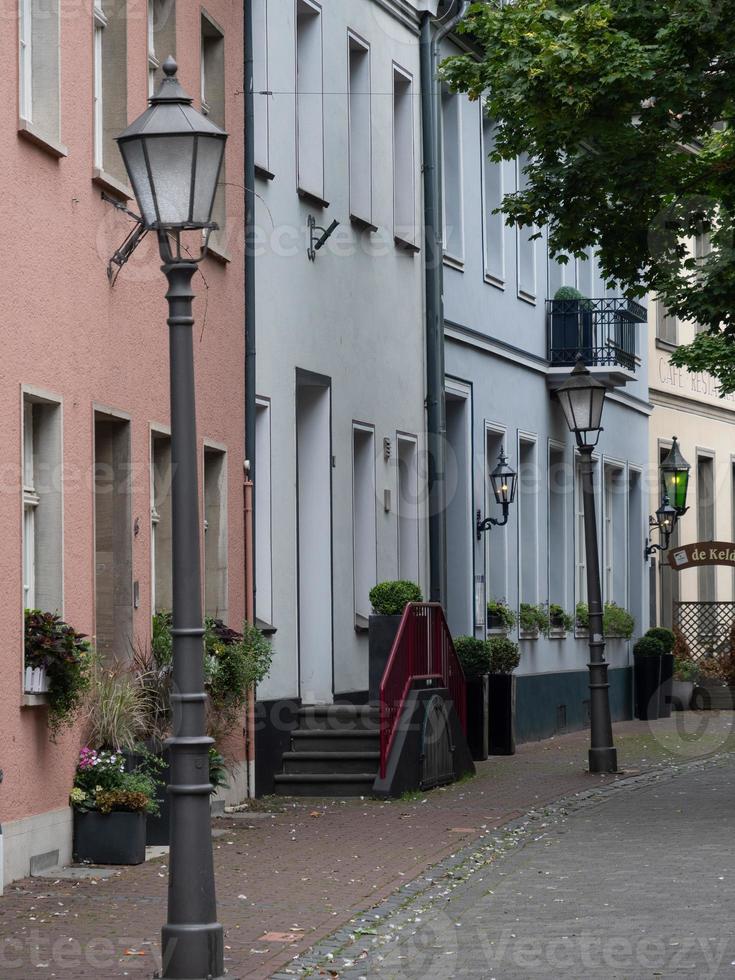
x: 666, y: 325
x: 586, y: 275
x: 404, y: 193
x: 215, y: 533
x: 706, y: 523
x: 408, y: 513
x: 42, y: 505
x: 451, y: 109
x: 161, y: 585
x: 560, y: 273
x: 213, y: 105
x: 360, y: 135
x: 39, y: 66
x: 492, y: 188
x: 364, y: 529
x: 496, y: 544
x: 263, y: 518
x: 526, y: 244
x: 161, y: 38
x: 557, y: 523
x: 614, y: 585
x: 260, y: 85
x: 309, y: 99
x: 527, y: 522
x: 580, y: 554
x: 110, y: 86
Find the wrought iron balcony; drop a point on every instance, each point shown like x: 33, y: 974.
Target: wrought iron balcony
x: 601, y: 330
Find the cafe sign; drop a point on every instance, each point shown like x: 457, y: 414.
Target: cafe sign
x: 702, y: 553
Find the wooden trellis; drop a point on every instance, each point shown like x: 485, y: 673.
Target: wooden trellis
x: 705, y: 627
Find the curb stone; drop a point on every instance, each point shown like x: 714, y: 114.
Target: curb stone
x: 419, y: 896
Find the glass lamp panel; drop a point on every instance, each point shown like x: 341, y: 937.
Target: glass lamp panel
x: 134, y: 160
x: 210, y: 151
x: 597, y: 401
x: 170, y: 160
x: 681, y: 484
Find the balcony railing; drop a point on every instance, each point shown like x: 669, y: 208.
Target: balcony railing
x: 601, y: 330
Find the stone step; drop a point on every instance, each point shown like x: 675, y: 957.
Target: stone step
x: 330, y: 740
x: 324, y: 784
x: 340, y: 717
x: 331, y: 762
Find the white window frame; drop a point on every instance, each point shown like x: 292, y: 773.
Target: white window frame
x: 263, y: 530
x: 525, y: 291
x: 310, y: 184
x: 494, y: 269
x: 261, y: 86
x: 360, y: 210
x: 454, y: 256
x: 100, y: 23
x: 609, y: 540
x: 404, y: 232
x: 25, y: 41
x: 580, y: 553
x: 361, y: 604
x: 31, y: 501
x: 408, y: 510
x: 153, y: 63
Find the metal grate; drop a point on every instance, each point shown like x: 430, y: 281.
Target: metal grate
x: 437, y: 751
x: 601, y: 330
x: 705, y: 627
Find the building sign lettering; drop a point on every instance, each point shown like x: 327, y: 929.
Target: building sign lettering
x: 702, y: 553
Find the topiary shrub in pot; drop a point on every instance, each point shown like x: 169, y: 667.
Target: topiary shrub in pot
x: 647, y: 654
x: 667, y: 639
x: 500, y: 617
x: 474, y: 656
x: 571, y: 325
x: 504, y: 658
x: 388, y: 600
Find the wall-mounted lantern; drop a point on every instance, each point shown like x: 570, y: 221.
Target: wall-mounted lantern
x: 675, y: 479
x: 503, y: 480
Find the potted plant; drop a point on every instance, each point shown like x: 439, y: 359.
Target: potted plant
x: 474, y: 655
x: 558, y: 622
x: 685, y: 677
x: 571, y: 325
x: 504, y: 658
x: 110, y: 803
x: 617, y: 622
x: 647, y: 654
x: 667, y: 639
x: 388, y: 600
x: 500, y: 617
x: 61, y: 656
x: 234, y: 663
x: 531, y: 620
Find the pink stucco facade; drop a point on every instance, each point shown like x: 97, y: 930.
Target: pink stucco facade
x: 68, y: 333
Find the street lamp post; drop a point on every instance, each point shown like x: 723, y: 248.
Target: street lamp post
x: 173, y: 155
x: 582, y: 399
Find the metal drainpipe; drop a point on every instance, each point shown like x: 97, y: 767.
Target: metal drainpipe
x: 249, y: 265
x: 436, y: 420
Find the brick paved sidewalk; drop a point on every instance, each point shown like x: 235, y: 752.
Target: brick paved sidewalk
x: 306, y: 870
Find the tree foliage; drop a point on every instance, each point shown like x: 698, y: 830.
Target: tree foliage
x: 618, y: 106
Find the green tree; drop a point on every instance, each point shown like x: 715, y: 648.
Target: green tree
x: 624, y: 108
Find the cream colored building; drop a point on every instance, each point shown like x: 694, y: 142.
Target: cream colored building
x: 687, y: 405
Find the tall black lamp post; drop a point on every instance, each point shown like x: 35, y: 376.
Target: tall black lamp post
x: 582, y: 399
x: 173, y: 155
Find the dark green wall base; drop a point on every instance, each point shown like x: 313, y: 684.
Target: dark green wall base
x: 550, y: 704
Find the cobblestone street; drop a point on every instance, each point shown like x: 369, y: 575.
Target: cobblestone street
x: 291, y: 873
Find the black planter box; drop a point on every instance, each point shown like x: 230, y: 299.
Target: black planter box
x: 496, y: 622
x: 382, y: 633
x: 109, y: 838
x: 477, y: 717
x: 157, y: 827
x: 501, y: 714
x: 647, y: 673
x: 667, y: 676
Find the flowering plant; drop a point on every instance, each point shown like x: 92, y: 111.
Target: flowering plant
x: 104, y: 782
x: 53, y: 644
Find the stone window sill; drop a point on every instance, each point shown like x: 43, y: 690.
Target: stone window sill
x: 112, y: 184
x: 34, y: 700
x: 28, y: 131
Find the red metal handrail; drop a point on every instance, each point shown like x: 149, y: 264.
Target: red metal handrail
x: 422, y: 650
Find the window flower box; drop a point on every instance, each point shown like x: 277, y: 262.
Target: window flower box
x: 36, y: 680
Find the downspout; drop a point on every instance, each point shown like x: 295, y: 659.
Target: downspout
x: 250, y: 386
x: 436, y: 420
x: 249, y: 269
